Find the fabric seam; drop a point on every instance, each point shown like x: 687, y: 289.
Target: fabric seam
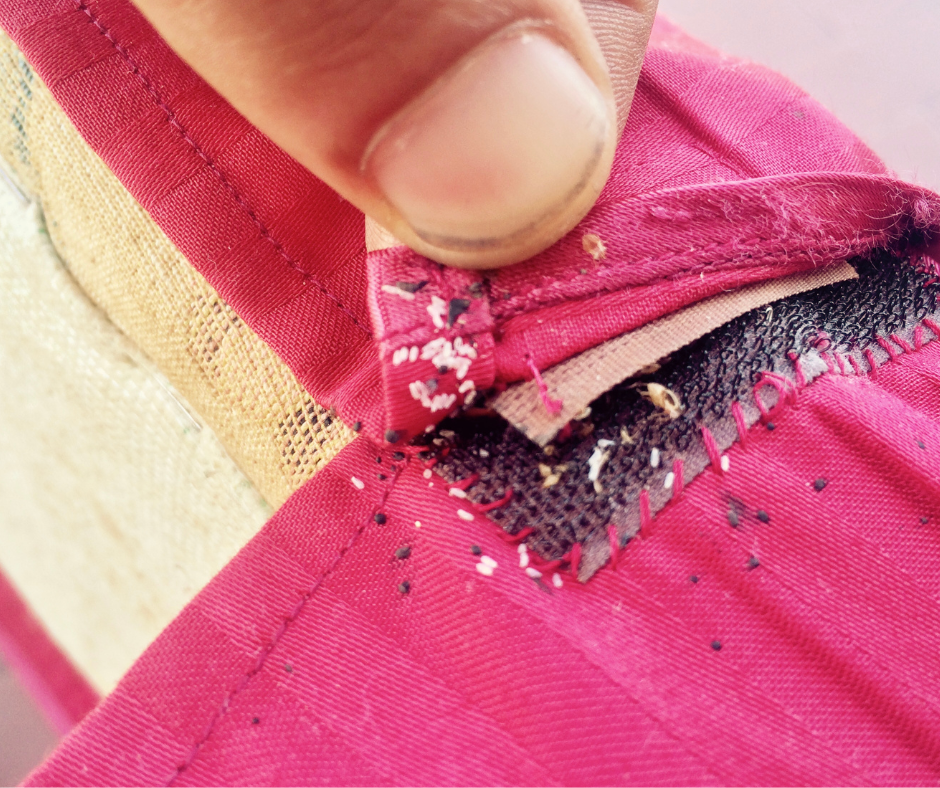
x: 178, y: 127
x: 287, y: 620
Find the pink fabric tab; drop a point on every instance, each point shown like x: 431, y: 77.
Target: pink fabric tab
x: 435, y: 338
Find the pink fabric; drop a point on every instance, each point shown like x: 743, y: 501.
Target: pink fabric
x: 726, y: 174
x: 60, y: 691
x: 303, y: 662
x: 308, y: 659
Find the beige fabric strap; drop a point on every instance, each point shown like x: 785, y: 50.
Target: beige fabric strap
x: 275, y: 432
x: 580, y: 380
x: 118, y: 503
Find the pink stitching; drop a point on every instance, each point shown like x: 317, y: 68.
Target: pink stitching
x: 830, y: 364
x: 711, y: 448
x: 841, y: 362
x: 905, y: 346
x: 543, y: 295
x: 614, y: 541
x: 918, y: 337
x: 575, y: 559
x: 678, y: 485
x: 483, y: 508
x: 553, y: 406
x: 872, y: 366
x: 286, y: 621
x: 854, y: 363
x: 797, y: 368
x: 207, y: 160
x: 885, y: 345
x: 932, y: 326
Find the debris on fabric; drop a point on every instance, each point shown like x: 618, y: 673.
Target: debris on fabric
x: 594, y: 246
x: 358, y: 483
x: 664, y: 399
x: 523, y: 555
x: 404, y: 587
x: 819, y: 485
x: 557, y: 581
x: 486, y: 566
x: 463, y: 514
x: 403, y: 552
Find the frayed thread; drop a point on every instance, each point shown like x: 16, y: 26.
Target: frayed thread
x: 553, y: 406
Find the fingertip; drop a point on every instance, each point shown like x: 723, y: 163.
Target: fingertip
x: 500, y: 157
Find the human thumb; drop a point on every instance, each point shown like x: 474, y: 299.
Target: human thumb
x: 478, y: 133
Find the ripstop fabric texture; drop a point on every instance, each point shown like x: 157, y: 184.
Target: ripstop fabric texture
x: 380, y: 629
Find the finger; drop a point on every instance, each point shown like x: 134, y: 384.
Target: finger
x: 477, y: 132
x: 622, y: 29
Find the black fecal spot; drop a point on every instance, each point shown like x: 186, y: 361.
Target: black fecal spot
x: 382, y: 477
x: 431, y: 383
x: 716, y: 645
x: 507, y: 296
x: 733, y: 518
x: 398, y: 456
x: 404, y: 587
x: 753, y: 562
x: 819, y: 485
x: 920, y: 444
x: 763, y: 516
x: 476, y: 289
x: 455, y: 309
x: 693, y: 579
x: 442, y: 370
x: 256, y: 720
x: 288, y: 669
x: 380, y: 518
x: 924, y: 520
x: 411, y: 287
x: 403, y: 552
x: 476, y: 549
x: 771, y: 426
x: 357, y: 426
x: 392, y: 436
x: 378, y: 459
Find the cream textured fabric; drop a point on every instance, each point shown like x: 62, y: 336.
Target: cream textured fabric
x: 123, y: 261
x: 580, y: 380
x: 116, y: 505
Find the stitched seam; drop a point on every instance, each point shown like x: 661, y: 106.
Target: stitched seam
x: 513, y: 308
x: 266, y: 650
x: 210, y: 163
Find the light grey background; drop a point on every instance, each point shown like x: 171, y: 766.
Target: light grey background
x: 874, y: 63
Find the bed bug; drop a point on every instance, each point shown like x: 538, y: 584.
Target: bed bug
x: 594, y: 246
x: 664, y: 399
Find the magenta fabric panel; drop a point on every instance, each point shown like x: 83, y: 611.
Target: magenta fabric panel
x: 726, y: 174
x: 63, y: 694
x: 303, y: 661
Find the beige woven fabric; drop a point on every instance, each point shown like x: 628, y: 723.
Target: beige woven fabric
x: 116, y: 504
x: 580, y: 380
x: 123, y: 261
